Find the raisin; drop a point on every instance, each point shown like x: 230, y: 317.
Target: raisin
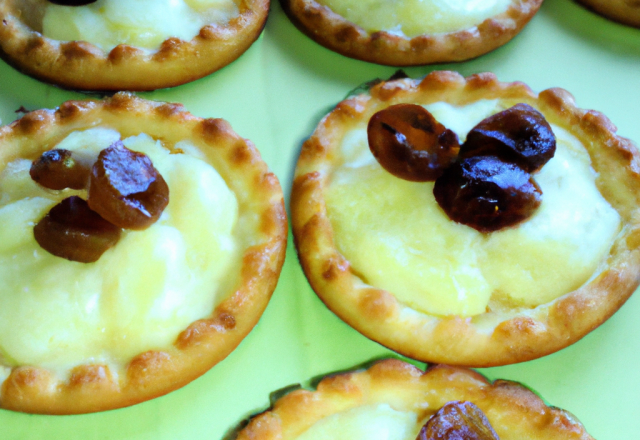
x: 458, y: 420
x: 126, y: 189
x: 57, y: 169
x: 72, y: 2
x: 486, y: 193
x: 409, y: 143
x: 520, y: 134
x: 73, y: 231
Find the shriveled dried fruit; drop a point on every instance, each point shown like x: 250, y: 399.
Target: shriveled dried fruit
x: 58, y: 169
x: 458, y: 420
x: 409, y: 143
x: 73, y: 231
x: 486, y: 193
x: 126, y: 189
x: 520, y: 134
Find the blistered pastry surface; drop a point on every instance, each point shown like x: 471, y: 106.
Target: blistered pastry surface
x: 393, y: 400
x: 505, y: 332
x: 396, y: 34
x: 200, y: 338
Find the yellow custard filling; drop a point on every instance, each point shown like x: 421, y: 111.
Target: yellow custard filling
x: 397, y: 237
x: 411, y: 18
x: 371, y: 422
x: 140, y: 294
x: 140, y: 23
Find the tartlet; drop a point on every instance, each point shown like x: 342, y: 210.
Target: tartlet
x: 393, y: 47
x: 406, y: 397
x: 622, y: 11
x: 239, y: 295
x: 505, y: 328
x: 81, y: 65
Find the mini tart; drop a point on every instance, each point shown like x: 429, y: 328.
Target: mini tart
x: 513, y: 410
x: 206, y: 341
x: 622, y: 11
x: 500, y: 336
x: 80, y: 65
x: 383, y: 47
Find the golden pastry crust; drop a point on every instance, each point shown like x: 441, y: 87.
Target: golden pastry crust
x: 513, y: 410
x: 519, y: 334
x: 80, y: 65
x: 622, y: 11
x: 338, y: 34
x: 205, y: 342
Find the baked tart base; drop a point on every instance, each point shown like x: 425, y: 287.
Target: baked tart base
x: 334, y: 32
x: 622, y: 11
x: 79, y: 65
x: 513, y: 410
x: 205, y: 342
x: 504, y: 334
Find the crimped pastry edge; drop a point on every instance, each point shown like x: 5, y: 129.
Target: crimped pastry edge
x: 334, y: 32
x: 622, y: 11
x: 514, y: 411
x: 79, y: 65
x: 205, y: 342
x: 524, y: 334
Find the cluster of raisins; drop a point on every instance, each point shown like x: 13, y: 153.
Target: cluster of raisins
x: 125, y: 191
x: 458, y: 420
x: 485, y: 183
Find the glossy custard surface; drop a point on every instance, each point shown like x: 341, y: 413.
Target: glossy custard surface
x: 141, y: 293
x: 140, y: 23
x: 371, y: 422
x: 397, y: 237
x: 416, y: 17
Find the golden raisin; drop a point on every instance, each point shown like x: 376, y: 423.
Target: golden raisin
x: 126, y: 189
x: 520, y: 135
x: 73, y: 231
x: 409, y: 143
x: 57, y: 169
x: 486, y: 193
x: 458, y: 420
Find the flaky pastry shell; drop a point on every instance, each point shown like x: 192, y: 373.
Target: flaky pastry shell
x: 513, y: 410
x: 622, y: 11
x: 339, y: 34
x: 518, y: 334
x: 205, y: 342
x: 80, y: 65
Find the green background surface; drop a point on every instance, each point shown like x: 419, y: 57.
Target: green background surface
x: 274, y: 95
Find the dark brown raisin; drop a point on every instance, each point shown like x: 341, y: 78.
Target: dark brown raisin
x: 73, y: 231
x: 520, y: 134
x: 458, y: 420
x: 126, y: 189
x: 409, y: 143
x: 57, y: 169
x: 486, y: 193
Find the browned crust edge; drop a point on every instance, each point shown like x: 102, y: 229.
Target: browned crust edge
x: 623, y: 11
x: 79, y: 65
x: 523, y: 335
x: 338, y: 34
x: 205, y: 342
x: 514, y: 411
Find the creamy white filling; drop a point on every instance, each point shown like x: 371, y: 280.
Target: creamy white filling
x: 141, y: 293
x: 394, y: 233
x: 371, y: 422
x: 140, y: 23
x: 417, y: 17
